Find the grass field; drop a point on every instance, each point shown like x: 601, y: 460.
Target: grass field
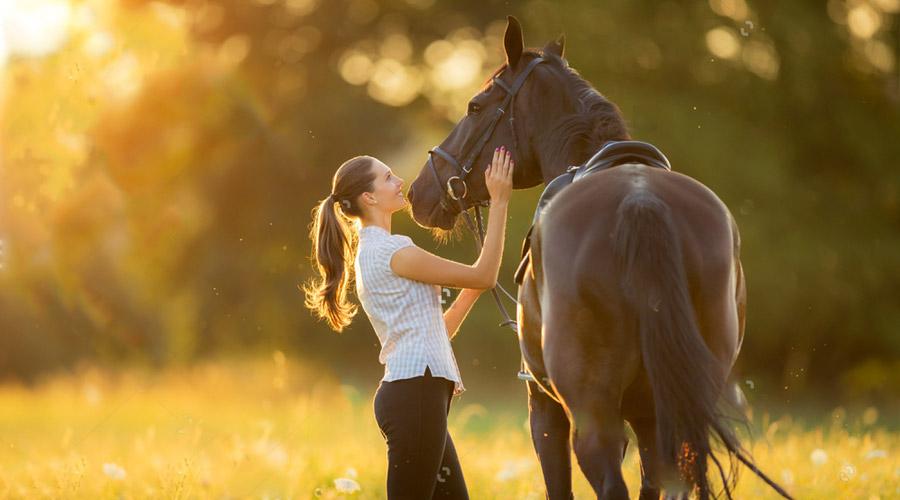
x: 269, y: 428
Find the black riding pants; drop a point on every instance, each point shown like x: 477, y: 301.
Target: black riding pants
x: 422, y: 461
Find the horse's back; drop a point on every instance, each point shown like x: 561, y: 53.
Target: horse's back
x: 579, y: 257
x: 577, y: 226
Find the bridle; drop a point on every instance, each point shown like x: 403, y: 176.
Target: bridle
x: 463, y: 168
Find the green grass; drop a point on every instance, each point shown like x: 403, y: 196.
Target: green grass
x: 270, y: 428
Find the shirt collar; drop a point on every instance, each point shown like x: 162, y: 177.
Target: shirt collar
x: 373, y: 230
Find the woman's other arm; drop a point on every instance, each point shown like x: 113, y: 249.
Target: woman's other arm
x: 456, y: 313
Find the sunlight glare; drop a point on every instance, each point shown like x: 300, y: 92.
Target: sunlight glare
x: 735, y: 9
x: 299, y: 8
x: 33, y: 29
x: 393, y: 83
x: 863, y: 21
x: 761, y: 59
x: 890, y: 6
x: 880, y: 55
x: 397, y: 46
x: 356, y: 67
x: 122, y: 78
x: 98, y: 44
x: 723, y: 43
x: 458, y: 69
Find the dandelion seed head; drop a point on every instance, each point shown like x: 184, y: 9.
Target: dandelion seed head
x: 847, y: 472
x: 114, y: 471
x: 346, y: 485
x: 513, y: 469
x: 787, y: 477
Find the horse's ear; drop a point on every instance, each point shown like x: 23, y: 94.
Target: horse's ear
x: 513, y: 41
x: 557, y: 46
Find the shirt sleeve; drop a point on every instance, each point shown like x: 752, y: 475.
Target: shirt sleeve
x: 396, y: 242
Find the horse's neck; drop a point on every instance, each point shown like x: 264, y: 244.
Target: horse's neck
x: 553, y: 164
x: 551, y: 170
x: 576, y: 153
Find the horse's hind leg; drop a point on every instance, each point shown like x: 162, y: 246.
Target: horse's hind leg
x: 599, y: 439
x: 645, y: 430
x: 550, y: 435
x: 589, y: 381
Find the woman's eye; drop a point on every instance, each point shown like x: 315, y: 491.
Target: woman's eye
x: 474, y: 108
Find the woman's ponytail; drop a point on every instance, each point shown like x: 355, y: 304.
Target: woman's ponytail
x: 334, y: 243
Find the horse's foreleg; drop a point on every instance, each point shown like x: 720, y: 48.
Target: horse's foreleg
x: 550, y: 435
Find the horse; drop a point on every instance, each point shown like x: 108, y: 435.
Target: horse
x: 632, y: 302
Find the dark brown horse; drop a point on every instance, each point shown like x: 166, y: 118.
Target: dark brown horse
x: 632, y: 304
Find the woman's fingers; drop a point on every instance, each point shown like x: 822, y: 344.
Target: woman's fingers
x: 489, y: 171
x: 500, y: 164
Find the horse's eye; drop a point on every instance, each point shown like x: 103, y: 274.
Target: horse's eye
x: 474, y: 108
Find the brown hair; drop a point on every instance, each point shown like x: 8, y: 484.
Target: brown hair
x: 334, y: 242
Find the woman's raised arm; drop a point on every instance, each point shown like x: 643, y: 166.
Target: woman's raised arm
x: 417, y: 264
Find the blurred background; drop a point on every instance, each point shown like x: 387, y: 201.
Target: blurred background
x: 159, y: 162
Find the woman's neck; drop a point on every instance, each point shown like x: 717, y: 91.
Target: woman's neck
x: 381, y: 220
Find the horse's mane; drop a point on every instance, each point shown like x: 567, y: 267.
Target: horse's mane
x: 575, y: 137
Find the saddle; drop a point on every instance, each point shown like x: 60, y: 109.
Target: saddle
x: 611, y: 154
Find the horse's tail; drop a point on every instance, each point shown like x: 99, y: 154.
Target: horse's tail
x: 684, y: 375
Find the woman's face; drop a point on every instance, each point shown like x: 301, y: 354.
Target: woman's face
x: 387, y: 189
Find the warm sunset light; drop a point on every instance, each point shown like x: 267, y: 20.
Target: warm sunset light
x: 240, y: 253
x: 723, y: 43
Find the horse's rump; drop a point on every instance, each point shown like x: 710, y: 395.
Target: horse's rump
x: 649, y: 255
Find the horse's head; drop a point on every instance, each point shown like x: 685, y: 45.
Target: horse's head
x: 504, y: 112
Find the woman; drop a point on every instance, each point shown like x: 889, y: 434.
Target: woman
x: 399, y: 287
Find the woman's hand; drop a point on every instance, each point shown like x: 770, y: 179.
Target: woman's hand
x: 498, y: 176
x: 456, y: 313
x: 438, y: 289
